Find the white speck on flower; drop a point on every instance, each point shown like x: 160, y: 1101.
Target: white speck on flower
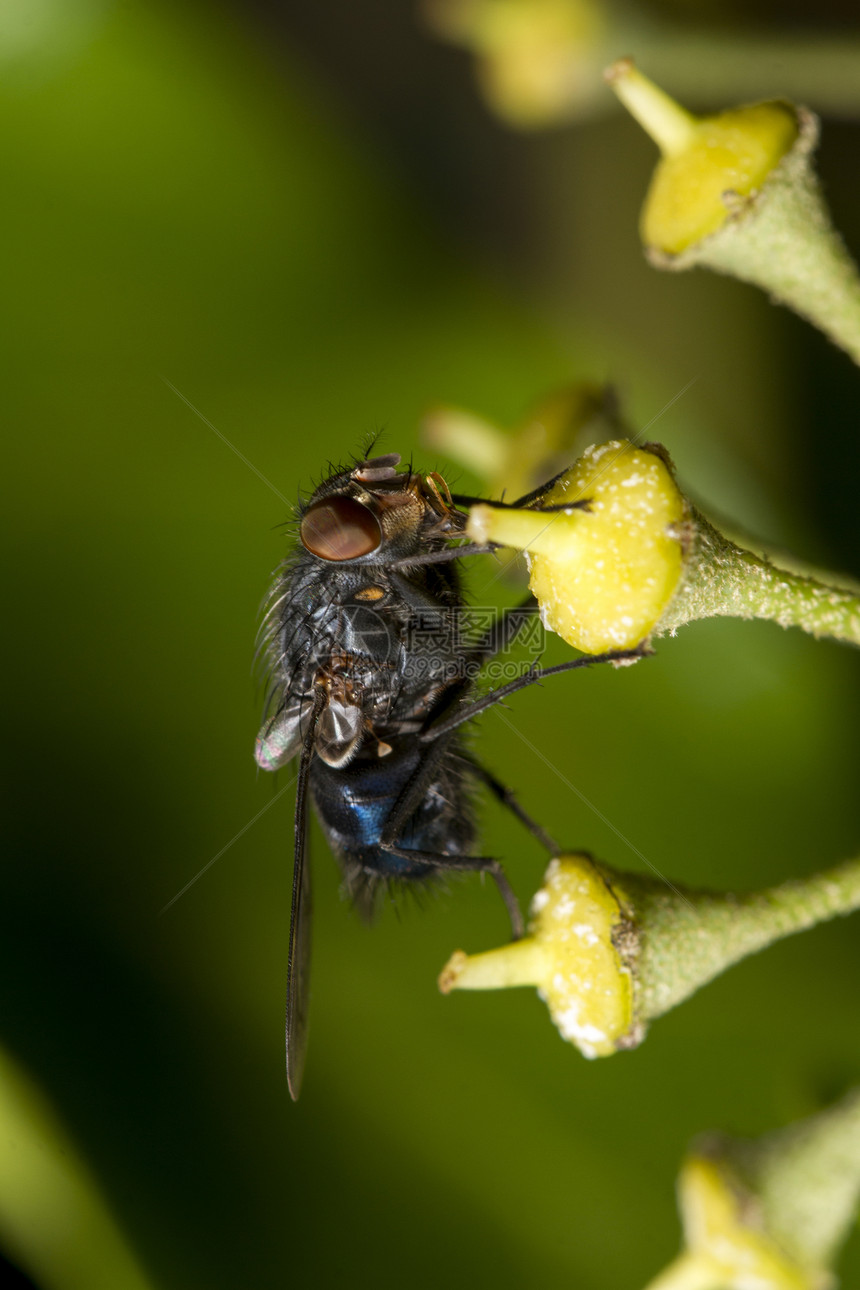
x: 585, y: 1036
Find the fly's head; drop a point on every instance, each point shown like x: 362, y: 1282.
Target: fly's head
x: 371, y: 514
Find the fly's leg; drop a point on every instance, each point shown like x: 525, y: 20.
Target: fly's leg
x: 527, y: 500
x: 407, y: 803
x: 525, y: 503
x: 448, y: 721
x: 502, y: 633
x: 478, y: 864
x: 507, y: 798
x: 486, y: 548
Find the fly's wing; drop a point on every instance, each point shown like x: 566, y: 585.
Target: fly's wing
x: 298, y: 961
x: 280, y: 739
x: 298, y: 970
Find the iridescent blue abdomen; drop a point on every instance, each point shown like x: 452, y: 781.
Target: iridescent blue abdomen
x: 354, y: 805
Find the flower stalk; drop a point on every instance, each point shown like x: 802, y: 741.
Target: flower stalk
x: 722, y: 579
x: 684, y: 938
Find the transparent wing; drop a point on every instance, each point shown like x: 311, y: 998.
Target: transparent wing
x: 280, y: 739
x: 298, y: 961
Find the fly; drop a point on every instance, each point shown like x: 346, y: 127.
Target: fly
x: 370, y: 686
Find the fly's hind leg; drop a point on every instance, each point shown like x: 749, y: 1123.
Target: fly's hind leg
x: 478, y: 864
x: 409, y: 800
x: 508, y: 799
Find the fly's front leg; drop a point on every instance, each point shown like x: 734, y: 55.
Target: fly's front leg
x: 502, y: 633
x: 449, y: 721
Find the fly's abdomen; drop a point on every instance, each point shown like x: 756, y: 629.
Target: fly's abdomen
x: 354, y: 806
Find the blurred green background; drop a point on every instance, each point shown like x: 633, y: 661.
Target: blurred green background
x: 304, y: 218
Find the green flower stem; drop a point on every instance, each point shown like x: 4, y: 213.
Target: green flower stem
x: 686, y: 939
x: 782, y: 240
x: 723, y: 579
x: 787, y: 560
x: 807, y: 1180
x: 54, y: 1219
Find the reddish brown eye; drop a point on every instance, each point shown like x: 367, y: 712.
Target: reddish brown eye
x: 340, y: 528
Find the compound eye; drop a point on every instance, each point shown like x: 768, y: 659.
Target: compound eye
x: 340, y: 528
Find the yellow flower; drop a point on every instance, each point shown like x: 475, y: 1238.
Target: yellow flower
x: 569, y: 954
x: 737, y: 193
x: 708, y: 163
x: 727, y: 1246
x: 536, y: 58
x: 602, y: 576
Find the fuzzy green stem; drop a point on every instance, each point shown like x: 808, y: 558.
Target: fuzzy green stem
x: 781, y: 239
x: 685, y: 941
x: 723, y: 579
x: 784, y: 559
x: 808, y: 1181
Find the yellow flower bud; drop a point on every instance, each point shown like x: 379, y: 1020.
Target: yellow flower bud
x: 708, y: 162
x: 569, y: 954
x: 726, y: 1246
x: 602, y: 576
x: 737, y: 193
x: 514, y: 462
x: 535, y: 57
